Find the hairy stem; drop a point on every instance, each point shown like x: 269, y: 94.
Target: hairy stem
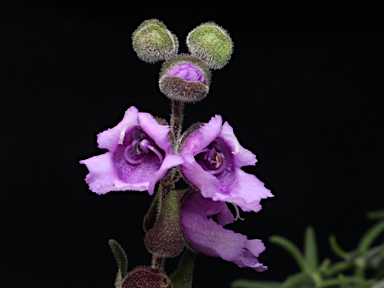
x: 157, y: 262
x: 177, y: 116
x: 168, y: 182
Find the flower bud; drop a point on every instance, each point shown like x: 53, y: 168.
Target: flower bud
x: 146, y: 277
x: 166, y: 239
x: 185, y: 78
x: 153, y: 42
x: 211, y: 43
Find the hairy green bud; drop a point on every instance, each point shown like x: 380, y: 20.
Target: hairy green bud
x: 211, y: 43
x: 153, y: 42
x: 185, y: 78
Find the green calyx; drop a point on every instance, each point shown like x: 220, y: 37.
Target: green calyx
x: 211, y: 43
x: 153, y: 42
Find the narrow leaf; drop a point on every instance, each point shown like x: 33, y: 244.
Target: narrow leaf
x: 121, y: 260
x: 297, y: 279
x: 370, y: 236
x: 339, y: 267
x: 310, y: 249
x: 324, y: 265
x: 342, y: 281
x: 150, y: 217
x: 182, y: 277
x: 291, y: 248
x: 336, y: 248
x: 376, y: 215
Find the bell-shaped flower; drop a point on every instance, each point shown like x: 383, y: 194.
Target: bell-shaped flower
x: 213, y: 158
x: 139, y: 154
x: 202, y: 221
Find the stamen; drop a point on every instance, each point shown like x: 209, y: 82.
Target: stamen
x: 144, y: 145
x: 122, y: 133
x: 237, y: 213
x: 158, y: 154
x: 218, y: 160
x: 237, y: 145
x: 137, y: 147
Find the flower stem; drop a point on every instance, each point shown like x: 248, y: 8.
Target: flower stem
x: 168, y: 182
x: 157, y: 262
x: 177, y: 116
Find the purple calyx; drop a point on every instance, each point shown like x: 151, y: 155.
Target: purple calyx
x: 188, y: 72
x: 140, y: 146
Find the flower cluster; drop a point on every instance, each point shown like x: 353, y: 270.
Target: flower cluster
x: 145, y: 153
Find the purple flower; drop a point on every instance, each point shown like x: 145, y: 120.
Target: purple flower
x: 213, y: 158
x: 202, y: 221
x: 188, y: 72
x: 139, y: 154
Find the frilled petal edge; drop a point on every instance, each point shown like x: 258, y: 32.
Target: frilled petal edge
x: 246, y: 192
x: 201, y: 138
x: 109, y: 139
x: 210, y: 238
x: 242, y: 156
x: 102, y: 177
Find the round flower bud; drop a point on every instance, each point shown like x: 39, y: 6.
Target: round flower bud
x: 153, y: 42
x: 148, y: 277
x: 185, y: 78
x: 211, y: 43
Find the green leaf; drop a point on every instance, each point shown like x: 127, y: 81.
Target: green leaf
x: 291, y: 248
x: 379, y: 284
x: 343, y: 281
x: 151, y: 215
x: 369, y: 237
x: 375, y: 257
x: 298, y: 279
x: 182, y: 277
x: 376, y: 215
x: 255, y: 284
x: 310, y: 249
x: 324, y: 265
x: 336, y: 248
x: 121, y: 260
x: 338, y: 267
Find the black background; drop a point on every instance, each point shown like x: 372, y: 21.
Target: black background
x: 302, y: 91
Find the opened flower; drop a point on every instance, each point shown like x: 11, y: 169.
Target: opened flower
x: 139, y: 154
x: 202, y: 221
x: 213, y: 158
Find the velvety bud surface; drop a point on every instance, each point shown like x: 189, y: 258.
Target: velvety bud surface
x: 185, y: 78
x: 165, y: 239
x: 153, y: 42
x: 147, y: 277
x: 139, y: 154
x: 211, y: 43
